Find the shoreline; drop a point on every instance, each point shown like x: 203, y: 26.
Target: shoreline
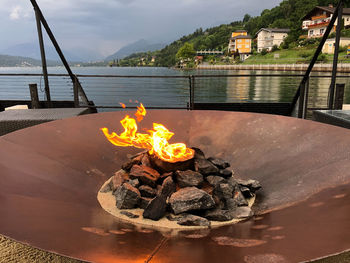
x: 342, y: 67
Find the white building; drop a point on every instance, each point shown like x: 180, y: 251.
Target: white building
x: 329, y: 45
x: 268, y: 37
x: 317, y: 20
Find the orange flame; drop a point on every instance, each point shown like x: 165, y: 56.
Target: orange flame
x: 156, y: 141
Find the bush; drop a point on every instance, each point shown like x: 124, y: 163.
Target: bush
x: 306, y: 54
x: 322, y: 58
x: 264, y: 52
x: 274, y: 48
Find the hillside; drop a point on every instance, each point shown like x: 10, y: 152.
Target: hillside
x: 287, y: 14
x: 136, y: 47
x: 16, y: 61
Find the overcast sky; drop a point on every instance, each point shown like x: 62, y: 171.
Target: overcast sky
x: 104, y: 26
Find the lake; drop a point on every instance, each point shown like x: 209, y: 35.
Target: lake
x: 168, y: 92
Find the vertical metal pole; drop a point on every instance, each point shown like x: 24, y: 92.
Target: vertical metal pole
x: 190, y: 85
x: 306, y: 98
x: 339, y: 96
x: 301, y: 101
x: 33, y: 89
x: 76, y: 92
x: 43, y: 58
x: 193, y: 85
x: 335, y: 57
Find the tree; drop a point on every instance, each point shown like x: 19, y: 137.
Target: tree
x: 186, y: 51
x: 246, y: 18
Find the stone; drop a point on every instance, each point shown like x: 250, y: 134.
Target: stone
x: 144, y: 201
x: 231, y: 181
x: 192, y: 220
x: 166, y: 167
x: 127, y: 196
x: 172, y: 217
x: 253, y: 185
x: 147, y: 191
x: 146, y: 175
x: 189, y: 178
x: 226, y: 173
x: 246, y: 192
x: 134, y: 182
x: 220, y: 163
x: 107, y: 188
x: 223, y: 191
x: 242, y: 212
x: 205, y: 167
x: 163, y: 176
x: 136, y: 160
x: 237, y: 200
x: 145, y: 160
x: 156, y: 208
x: 215, y: 180
x: 190, y: 198
x: 168, y: 187
x: 218, y: 215
x: 118, y: 179
x: 129, y: 214
x: 198, y: 153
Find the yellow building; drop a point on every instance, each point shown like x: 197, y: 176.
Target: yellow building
x: 240, y: 44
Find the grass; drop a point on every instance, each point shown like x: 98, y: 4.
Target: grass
x: 294, y: 56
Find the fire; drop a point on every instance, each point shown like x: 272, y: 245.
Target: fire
x: 156, y: 140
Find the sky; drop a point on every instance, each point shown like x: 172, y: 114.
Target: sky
x: 104, y: 26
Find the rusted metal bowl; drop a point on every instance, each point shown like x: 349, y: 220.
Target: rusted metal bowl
x: 50, y: 175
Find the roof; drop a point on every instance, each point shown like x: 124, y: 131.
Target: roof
x: 346, y: 11
x: 240, y: 31
x: 241, y: 37
x: 274, y: 30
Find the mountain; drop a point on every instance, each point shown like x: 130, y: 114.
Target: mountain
x: 32, y: 50
x: 136, y: 47
x: 17, y: 61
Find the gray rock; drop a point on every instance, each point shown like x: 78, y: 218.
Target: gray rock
x: 226, y: 173
x: 220, y: 163
x: 189, y: 178
x: 246, y: 192
x: 136, y: 160
x: 198, y: 153
x: 190, y: 198
x: 223, y: 191
x: 205, y: 167
x: 231, y: 181
x: 192, y: 220
x: 237, y: 200
x: 168, y: 187
x: 127, y: 196
x: 253, y: 185
x: 147, y: 191
x: 172, y: 217
x: 156, y: 208
x: 215, y: 180
x: 134, y: 182
x: 145, y: 160
x: 118, y: 179
x: 146, y: 175
x: 129, y: 214
x: 242, y: 212
x: 218, y: 215
x: 163, y: 176
x: 144, y: 201
x: 107, y: 188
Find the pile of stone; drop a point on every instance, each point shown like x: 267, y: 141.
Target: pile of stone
x: 193, y: 192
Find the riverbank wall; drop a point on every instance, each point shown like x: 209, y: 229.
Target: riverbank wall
x: 342, y: 67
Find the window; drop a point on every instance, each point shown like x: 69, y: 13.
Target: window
x: 321, y: 31
x: 246, y: 46
x: 239, y: 40
x: 239, y: 46
x: 311, y: 32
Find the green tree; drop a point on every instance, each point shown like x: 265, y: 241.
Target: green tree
x: 186, y: 51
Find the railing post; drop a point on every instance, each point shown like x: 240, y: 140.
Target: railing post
x: 339, y: 96
x: 301, y: 101
x: 192, y: 86
x: 306, y: 98
x: 76, y: 92
x: 33, y: 89
x: 335, y: 56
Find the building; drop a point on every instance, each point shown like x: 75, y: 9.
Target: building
x: 317, y: 20
x: 269, y: 37
x: 328, y: 47
x: 240, y: 44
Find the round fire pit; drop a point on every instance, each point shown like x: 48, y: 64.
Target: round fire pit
x: 51, y: 174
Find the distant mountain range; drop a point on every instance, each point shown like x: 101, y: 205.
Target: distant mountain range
x: 136, y: 47
x: 17, y: 61
x: 32, y: 50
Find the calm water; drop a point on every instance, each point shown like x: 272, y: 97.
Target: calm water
x: 169, y: 92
